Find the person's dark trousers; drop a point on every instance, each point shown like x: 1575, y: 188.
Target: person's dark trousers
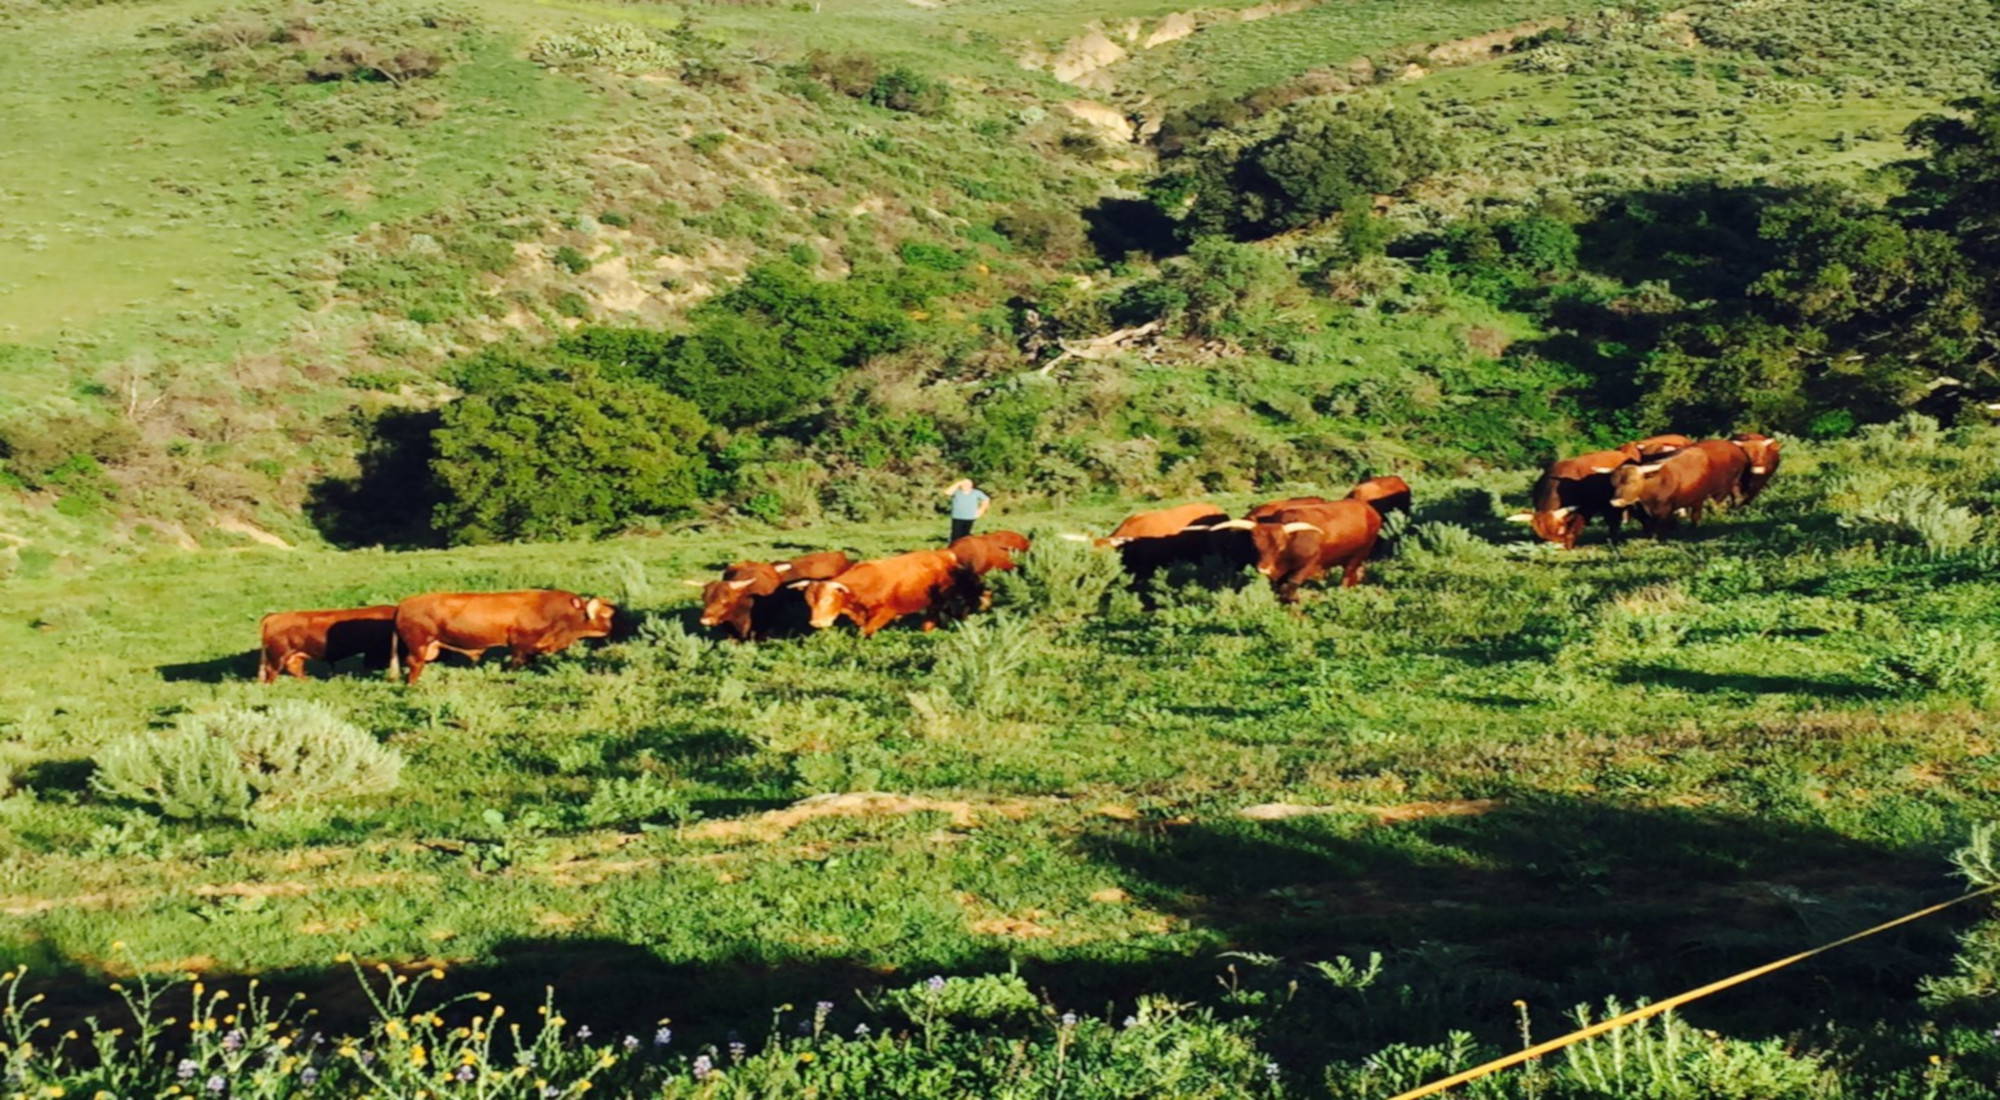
x: 960, y: 528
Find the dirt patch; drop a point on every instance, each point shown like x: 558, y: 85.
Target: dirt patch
x: 1110, y: 895
x: 1489, y: 342
x: 859, y: 804
x: 250, y: 531
x: 1173, y: 28
x: 1109, y: 122
x: 1279, y: 811
x: 1417, y: 811
x: 1384, y: 815
x: 1482, y: 47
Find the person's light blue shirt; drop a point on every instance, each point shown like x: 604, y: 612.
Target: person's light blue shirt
x: 965, y: 503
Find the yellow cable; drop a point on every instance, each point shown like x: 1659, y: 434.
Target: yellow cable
x: 1671, y: 1003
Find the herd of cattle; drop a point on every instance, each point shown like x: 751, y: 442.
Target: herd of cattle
x: 1290, y: 542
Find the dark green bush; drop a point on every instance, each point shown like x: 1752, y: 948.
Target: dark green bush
x: 1324, y: 154
x: 572, y: 451
x: 767, y: 349
x: 69, y: 449
x: 902, y: 89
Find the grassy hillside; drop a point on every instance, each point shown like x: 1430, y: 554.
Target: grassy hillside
x: 238, y: 249
x: 1687, y: 756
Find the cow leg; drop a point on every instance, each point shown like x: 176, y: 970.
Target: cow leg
x: 1352, y: 576
x: 1613, y: 521
x: 877, y: 619
x: 295, y: 665
x: 419, y: 656
x: 267, y: 668
x: 1694, y: 513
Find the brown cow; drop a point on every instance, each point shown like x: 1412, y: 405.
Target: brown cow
x: 1762, y: 451
x: 1164, y: 521
x: 1299, y: 544
x: 529, y: 622
x: 1656, y: 447
x: 875, y: 593
x: 732, y: 602
x: 984, y: 553
x: 1685, y: 482
x: 1387, y: 494
x: 1266, y: 511
x: 290, y: 638
x: 1570, y: 493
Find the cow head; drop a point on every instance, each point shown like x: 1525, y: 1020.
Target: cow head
x: 1761, y: 450
x: 1628, y: 483
x: 826, y: 600
x: 1557, y: 525
x: 1010, y: 540
x: 720, y: 601
x: 597, y: 615
x: 1280, y: 546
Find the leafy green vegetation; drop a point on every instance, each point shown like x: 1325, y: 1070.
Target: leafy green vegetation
x: 730, y: 281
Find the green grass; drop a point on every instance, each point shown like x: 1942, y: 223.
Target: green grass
x: 1672, y: 737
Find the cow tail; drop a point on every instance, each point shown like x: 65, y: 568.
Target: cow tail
x: 395, y: 649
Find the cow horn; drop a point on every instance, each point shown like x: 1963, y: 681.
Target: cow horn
x: 1234, y: 525
x: 1295, y: 528
x: 1521, y: 517
x: 783, y: 567
x: 1650, y: 467
x: 740, y: 585
x: 1621, y: 502
x: 1563, y: 513
x: 1602, y: 469
x: 1759, y: 469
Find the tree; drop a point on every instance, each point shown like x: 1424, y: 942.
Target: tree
x: 573, y: 452
x: 765, y: 350
x: 1323, y: 155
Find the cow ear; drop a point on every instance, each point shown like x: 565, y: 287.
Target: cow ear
x: 576, y: 601
x: 591, y: 609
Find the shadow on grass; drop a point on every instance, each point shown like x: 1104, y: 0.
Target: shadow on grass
x: 215, y: 670
x: 1744, y: 683
x: 1555, y: 901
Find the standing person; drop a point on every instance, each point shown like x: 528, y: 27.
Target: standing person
x: 967, y: 505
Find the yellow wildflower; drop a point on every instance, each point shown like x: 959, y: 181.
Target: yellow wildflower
x: 437, y: 972
x: 482, y: 996
x: 417, y: 1056
x: 344, y: 956
x: 807, y: 1056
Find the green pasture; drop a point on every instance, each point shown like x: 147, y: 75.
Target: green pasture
x: 1594, y: 773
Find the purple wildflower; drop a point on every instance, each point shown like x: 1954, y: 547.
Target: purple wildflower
x: 1131, y: 1022
x: 861, y: 1030
x: 822, y: 1008
x: 583, y: 1032
x: 703, y: 1067
x: 465, y: 1073
x: 935, y: 984
x: 550, y: 1092
x: 663, y: 1036
x: 185, y: 1070
x: 737, y: 1050
x: 1271, y: 1070
x: 630, y: 1043
x: 232, y: 1040
x: 217, y: 1084
x: 308, y: 1075
x: 1069, y: 1019
x: 526, y: 1058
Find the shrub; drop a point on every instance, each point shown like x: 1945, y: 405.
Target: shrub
x: 569, y: 453
x: 42, y: 450
x: 220, y: 763
x: 984, y: 999
x: 1918, y: 514
x: 644, y: 800
x: 619, y: 46
x: 902, y: 89
x: 1937, y: 662
x: 1060, y: 579
x: 1323, y: 155
x: 979, y: 662
x: 765, y: 349
x: 570, y: 259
